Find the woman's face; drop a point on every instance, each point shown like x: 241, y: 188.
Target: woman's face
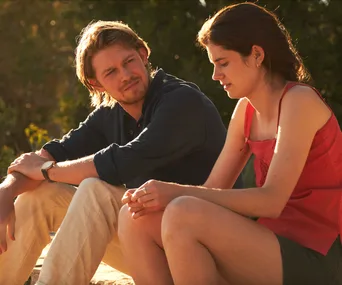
x: 238, y: 75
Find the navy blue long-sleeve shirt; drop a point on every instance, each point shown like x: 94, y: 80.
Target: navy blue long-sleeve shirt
x: 177, y: 139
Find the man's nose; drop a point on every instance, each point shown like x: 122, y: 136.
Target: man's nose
x: 125, y: 74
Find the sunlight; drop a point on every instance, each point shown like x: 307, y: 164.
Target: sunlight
x: 203, y: 3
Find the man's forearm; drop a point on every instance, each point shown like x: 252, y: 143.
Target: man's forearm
x: 18, y: 183
x: 74, y: 171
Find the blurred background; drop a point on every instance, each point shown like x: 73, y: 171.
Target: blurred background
x: 41, y: 98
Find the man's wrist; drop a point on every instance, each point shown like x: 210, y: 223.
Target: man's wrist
x: 48, y: 165
x: 44, y: 153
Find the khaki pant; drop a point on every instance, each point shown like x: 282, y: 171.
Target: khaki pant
x: 87, y: 223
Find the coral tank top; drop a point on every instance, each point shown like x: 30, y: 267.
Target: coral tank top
x: 312, y: 215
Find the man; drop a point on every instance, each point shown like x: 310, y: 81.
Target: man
x: 146, y: 125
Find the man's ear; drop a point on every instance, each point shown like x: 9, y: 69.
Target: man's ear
x: 143, y: 55
x: 96, y: 85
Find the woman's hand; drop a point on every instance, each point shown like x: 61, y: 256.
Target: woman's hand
x: 28, y: 164
x: 153, y: 196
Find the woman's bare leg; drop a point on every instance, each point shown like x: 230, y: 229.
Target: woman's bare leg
x: 142, y: 248
x: 203, y: 241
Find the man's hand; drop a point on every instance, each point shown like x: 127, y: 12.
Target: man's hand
x: 7, y: 217
x: 14, y: 185
x: 28, y: 164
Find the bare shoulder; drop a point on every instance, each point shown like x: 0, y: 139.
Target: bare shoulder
x: 240, y: 108
x: 301, y: 95
x: 302, y: 102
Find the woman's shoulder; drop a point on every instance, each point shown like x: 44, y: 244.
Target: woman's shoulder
x: 302, y: 92
x: 304, y: 101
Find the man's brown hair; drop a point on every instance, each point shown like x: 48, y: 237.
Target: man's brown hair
x: 95, y: 37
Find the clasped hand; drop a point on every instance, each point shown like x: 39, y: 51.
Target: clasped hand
x: 28, y: 164
x: 150, y: 197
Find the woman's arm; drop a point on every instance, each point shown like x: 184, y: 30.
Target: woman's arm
x: 303, y: 113
x: 234, y: 154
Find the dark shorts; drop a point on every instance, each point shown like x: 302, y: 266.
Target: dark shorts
x: 304, y: 266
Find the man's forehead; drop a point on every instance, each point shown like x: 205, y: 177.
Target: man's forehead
x: 112, y: 54
x: 111, y: 57
x: 118, y: 50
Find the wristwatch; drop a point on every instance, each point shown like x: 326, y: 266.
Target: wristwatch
x: 45, y: 167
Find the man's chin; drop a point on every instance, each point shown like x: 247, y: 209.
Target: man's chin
x: 132, y: 99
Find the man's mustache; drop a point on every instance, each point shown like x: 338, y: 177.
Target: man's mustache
x: 129, y: 82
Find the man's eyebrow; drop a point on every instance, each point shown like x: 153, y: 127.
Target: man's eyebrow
x: 108, y: 69
x: 112, y: 68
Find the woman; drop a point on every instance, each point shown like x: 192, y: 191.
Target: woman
x: 205, y: 235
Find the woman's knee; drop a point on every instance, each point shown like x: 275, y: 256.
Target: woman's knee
x: 181, y: 214
x: 125, y: 221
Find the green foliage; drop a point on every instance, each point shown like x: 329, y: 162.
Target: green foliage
x: 38, y: 83
x: 36, y: 136
x: 6, y: 157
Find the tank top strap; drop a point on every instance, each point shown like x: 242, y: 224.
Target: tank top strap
x: 291, y: 84
x: 248, y: 119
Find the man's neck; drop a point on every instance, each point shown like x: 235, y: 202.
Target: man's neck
x: 134, y: 110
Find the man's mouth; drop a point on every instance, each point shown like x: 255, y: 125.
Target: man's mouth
x: 131, y: 84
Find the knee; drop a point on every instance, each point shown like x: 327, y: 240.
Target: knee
x: 89, y: 183
x: 125, y: 222
x: 39, y: 196
x: 91, y: 189
x: 96, y: 188
x: 179, y: 215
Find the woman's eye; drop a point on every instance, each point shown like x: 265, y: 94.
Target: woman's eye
x: 224, y: 64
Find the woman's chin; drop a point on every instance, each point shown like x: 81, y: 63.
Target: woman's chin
x: 232, y: 95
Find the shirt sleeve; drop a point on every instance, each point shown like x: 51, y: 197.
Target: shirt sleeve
x: 176, y: 129
x: 87, y: 139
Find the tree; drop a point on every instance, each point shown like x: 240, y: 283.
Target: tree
x: 39, y: 85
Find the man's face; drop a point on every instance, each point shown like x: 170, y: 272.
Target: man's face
x: 121, y: 72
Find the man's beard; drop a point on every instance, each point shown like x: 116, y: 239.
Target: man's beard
x: 138, y: 96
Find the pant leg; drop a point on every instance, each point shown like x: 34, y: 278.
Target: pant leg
x: 38, y: 212
x: 89, y: 227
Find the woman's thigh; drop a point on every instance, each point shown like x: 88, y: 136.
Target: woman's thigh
x: 244, y: 251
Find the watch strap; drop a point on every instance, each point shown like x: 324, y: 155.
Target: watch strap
x: 45, y: 172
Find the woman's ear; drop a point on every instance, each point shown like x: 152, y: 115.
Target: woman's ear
x: 258, y: 54
x: 96, y: 85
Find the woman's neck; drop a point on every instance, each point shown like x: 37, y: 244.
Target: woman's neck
x: 266, y: 97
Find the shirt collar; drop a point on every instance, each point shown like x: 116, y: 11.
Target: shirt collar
x: 153, y: 88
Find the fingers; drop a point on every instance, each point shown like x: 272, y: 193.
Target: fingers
x: 140, y: 213
x: 11, y: 227
x: 127, y: 196
x: 145, y: 211
x: 151, y: 203
x: 3, y: 243
x: 139, y: 193
x: 12, y: 168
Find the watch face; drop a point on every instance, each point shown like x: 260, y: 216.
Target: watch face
x: 47, y: 164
